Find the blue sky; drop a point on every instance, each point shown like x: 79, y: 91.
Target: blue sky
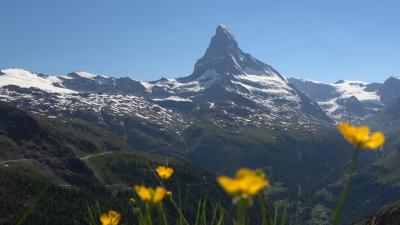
x: 322, y: 40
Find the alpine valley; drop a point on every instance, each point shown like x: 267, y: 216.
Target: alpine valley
x: 90, y: 137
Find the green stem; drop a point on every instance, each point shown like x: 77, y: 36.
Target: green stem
x: 148, y: 214
x: 346, y: 188
x: 276, y: 213
x: 241, y: 212
x: 283, y: 219
x: 162, y: 215
x: 267, y: 220
x: 179, y: 211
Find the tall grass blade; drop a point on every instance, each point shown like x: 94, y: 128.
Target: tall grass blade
x: 276, y: 213
x: 284, y: 215
x: 346, y: 189
x: 198, y: 213
x: 204, y: 215
x: 34, y: 203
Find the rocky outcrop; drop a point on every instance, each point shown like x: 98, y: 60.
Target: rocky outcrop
x: 387, y: 215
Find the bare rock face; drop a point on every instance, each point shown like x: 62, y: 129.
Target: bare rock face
x: 390, y: 90
x: 387, y: 215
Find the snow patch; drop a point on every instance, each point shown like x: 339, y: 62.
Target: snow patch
x: 86, y: 75
x: 26, y: 79
x: 146, y: 84
x: 209, y: 77
x: 173, y: 98
x: 356, y: 89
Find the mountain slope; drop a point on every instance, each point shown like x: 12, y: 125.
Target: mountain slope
x: 387, y: 215
x: 390, y: 90
x: 356, y: 100
x: 343, y: 100
x: 53, y: 146
x: 78, y: 163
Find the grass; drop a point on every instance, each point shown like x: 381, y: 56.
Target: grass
x: 172, y: 210
x: 64, y: 140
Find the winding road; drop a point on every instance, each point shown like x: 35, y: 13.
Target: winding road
x: 94, y: 155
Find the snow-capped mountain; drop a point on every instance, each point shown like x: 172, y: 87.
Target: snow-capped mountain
x: 81, y: 94
x: 354, y: 100
x: 226, y: 74
x: 87, y: 82
x: 224, y: 66
x: 226, y: 82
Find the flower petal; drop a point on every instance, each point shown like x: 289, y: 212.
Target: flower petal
x: 361, y: 134
x: 143, y: 192
x: 164, y: 172
x: 159, y: 194
x: 111, y: 218
x: 244, y: 172
x: 105, y: 219
x: 251, y: 185
x: 230, y: 185
x: 376, y: 141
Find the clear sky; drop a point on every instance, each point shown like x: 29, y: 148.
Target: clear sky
x: 322, y: 40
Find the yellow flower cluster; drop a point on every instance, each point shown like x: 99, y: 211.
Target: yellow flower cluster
x: 155, y: 196
x: 111, y: 218
x: 164, y: 172
x: 150, y: 195
x: 361, y: 137
x: 246, y: 183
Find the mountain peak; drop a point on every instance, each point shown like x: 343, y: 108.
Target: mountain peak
x: 224, y: 59
x: 221, y: 26
x: 86, y: 75
x: 222, y: 32
x: 341, y: 81
x: 222, y: 42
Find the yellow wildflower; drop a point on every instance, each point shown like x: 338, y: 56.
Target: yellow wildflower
x: 360, y: 136
x: 150, y: 195
x: 169, y: 194
x: 247, y: 182
x: 111, y: 218
x: 164, y: 172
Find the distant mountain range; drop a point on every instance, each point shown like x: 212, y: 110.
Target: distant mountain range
x: 246, y: 89
x: 232, y: 111
x: 352, y: 100
x: 224, y: 74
